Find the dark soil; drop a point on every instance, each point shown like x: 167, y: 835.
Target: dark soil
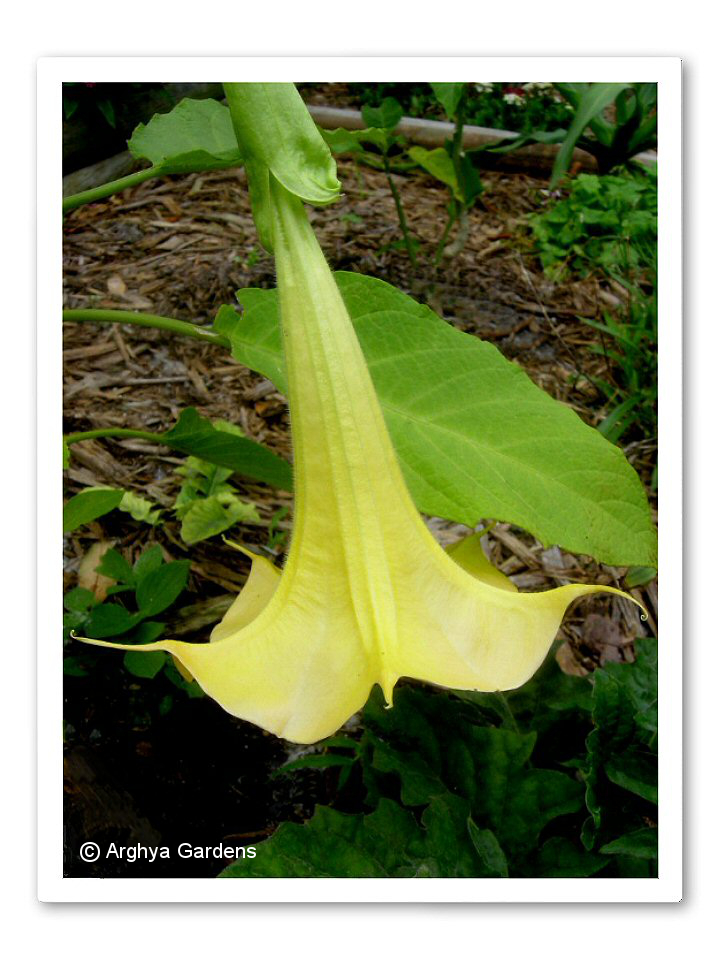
x: 145, y: 764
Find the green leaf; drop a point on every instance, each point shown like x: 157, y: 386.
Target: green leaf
x: 116, y: 567
x: 74, y: 667
x: 488, y: 850
x: 89, y: 505
x: 438, y: 163
x: 147, y: 632
x: 194, y: 135
x: 385, y: 117
x: 476, y: 438
x: 109, y: 620
x: 639, y: 576
x: 208, y: 516
x: 194, y: 434
x: 139, y: 508
x: 560, y: 857
x: 636, y: 771
x: 316, y: 761
x: 335, y: 844
x: 590, y: 104
x: 449, y: 95
x: 78, y: 600
x: 150, y: 559
x: 161, y: 587
x: 66, y: 454
x: 641, y: 843
x: 145, y: 665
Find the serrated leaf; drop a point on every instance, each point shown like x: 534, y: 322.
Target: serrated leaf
x: 474, y: 436
x: 161, y: 587
x: 89, y: 505
x: 194, y: 135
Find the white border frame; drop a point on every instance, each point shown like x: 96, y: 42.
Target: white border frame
x: 52, y: 71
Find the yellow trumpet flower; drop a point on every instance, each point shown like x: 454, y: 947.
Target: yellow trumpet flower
x: 366, y: 596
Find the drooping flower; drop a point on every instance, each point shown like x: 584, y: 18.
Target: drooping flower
x: 366, y: 595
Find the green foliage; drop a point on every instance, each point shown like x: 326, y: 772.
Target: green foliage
x: 613, y: 139
x: 502, y: 449
x: 479, y: 785
x: 522, y: 107
x: 153, y: 585
x: 207, y: 504
x: 606, y: 224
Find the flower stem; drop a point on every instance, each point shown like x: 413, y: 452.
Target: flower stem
x: 108, y: 189
x: 181, y: 327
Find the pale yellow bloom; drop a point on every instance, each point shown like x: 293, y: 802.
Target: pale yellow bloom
x: 366, y: 596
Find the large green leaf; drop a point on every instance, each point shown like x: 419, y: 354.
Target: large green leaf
x: 476, y: 438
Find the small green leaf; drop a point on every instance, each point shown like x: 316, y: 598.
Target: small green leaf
x: 449, y: 95
x: 149, y: 560
x: 439, y: 164
x: 116, y: 567
x: 145, y: 665
x: 161, y: 587
x: 66, y: 454
x: 385, y: 117
x: 139, y: 508
x: 79, y: 600
x: 109, y: 620
x: 208, y: 516
x: 89, y: 505
x: 639, y: 576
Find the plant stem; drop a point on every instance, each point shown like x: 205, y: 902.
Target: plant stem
x: 400, y: 212
x: 145, y: 320
x: 108, y: 189
x: 452, y: 217
x: 114, y: 432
